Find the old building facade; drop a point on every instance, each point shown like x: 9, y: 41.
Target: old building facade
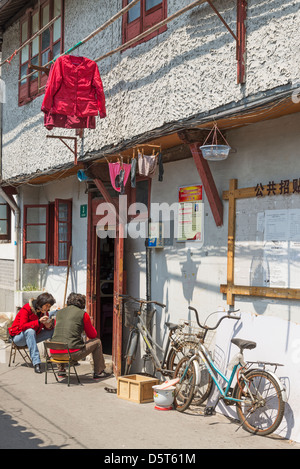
x: 239, y: 71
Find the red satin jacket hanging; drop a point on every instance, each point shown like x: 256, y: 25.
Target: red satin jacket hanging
x: 74, y: 88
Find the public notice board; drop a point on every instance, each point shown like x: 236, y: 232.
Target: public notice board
x: 267, y: 243
x: 281, y: 247
x: 190, y: 213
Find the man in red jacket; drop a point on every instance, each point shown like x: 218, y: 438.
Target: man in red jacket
x: 32, y: 325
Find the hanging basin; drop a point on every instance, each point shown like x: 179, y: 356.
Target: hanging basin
x: 163, y: 397
x: 215, y: 152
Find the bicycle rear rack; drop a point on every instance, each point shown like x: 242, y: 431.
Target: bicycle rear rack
x: 263, y: 365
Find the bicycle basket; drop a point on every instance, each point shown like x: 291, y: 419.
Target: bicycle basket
x: 131, y: 309
x: 148, y: 313
x: 190, y: 331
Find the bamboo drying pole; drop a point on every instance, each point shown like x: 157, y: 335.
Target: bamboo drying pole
x: 68, y: 270
x: 90, y: 36
x: 135, y: 39
x: 38, y: 33
x: 151, y: 30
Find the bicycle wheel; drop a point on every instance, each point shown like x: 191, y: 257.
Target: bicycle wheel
x: 203, y: 389
x: 175, y: 355
x: 131, y: 350
x: 265, y: 413
x: 184, y: 392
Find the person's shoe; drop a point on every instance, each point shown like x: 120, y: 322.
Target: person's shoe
x: 37, y: 368
x: 62, y: 373
x: 101, y: 375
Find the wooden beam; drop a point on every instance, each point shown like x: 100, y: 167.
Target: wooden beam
x: 231, y: 240
x: 266, y: 292
x: 250, y: 192
x: 241, y: 40
x: 62, y: 138
x: 208, y: 183
x: 106, y: 195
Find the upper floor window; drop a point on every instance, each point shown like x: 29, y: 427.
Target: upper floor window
x: 42, y: 49
x: 144, y: 15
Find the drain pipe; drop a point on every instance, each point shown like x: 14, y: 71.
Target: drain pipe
x: 16, y: 211
x: 148, y: 272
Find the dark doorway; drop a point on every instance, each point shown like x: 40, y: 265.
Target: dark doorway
x: 105, y: 291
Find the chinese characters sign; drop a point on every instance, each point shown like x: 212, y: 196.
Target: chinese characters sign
x: 283, y: 187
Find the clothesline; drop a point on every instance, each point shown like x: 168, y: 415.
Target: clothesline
x: 144, y: 165
x: 132, y: 41
x: 119, y: 156
x: 151, y: 30
x: 90, y: 36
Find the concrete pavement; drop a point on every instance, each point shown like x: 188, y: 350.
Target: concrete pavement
x: 36, y: 415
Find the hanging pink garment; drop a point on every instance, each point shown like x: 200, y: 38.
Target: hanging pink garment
x: 119, y: 175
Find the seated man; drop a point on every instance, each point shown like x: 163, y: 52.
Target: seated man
x: 32, y: 325
x: 71, y: 322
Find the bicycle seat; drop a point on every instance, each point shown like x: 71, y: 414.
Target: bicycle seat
x: 244, y: 344
x: 171, y: 326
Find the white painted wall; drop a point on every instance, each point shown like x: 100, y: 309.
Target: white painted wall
x: 266, y: 151
x: 53, y: 278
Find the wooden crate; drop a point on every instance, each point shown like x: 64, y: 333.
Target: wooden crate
x: 136, y: 388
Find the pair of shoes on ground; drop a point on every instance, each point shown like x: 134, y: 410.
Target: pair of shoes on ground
x: 101, y: 375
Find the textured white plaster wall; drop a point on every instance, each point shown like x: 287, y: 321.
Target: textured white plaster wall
x: 189, y: 69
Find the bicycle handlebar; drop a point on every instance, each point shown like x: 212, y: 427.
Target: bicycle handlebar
x: 141, y: 301
x: 228, y: 316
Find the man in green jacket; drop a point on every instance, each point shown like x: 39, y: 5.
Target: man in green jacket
x: 71, y: 323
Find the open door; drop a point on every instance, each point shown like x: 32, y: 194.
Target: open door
x: 119, y: 288
x: 97, y: 299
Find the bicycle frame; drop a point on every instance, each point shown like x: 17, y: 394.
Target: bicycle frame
x: 211, y: 368
x: 148, y: 339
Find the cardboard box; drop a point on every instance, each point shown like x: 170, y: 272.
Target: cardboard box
x: 136, y: 388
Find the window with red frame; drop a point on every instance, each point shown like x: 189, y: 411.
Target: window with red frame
x: 142, y: 16
x: 62, y: 231
x: 35, y: 236
x: 42, y: 49
x: 47, y: 233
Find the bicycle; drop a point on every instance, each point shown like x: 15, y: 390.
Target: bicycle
x: 138, y: 318
x: 258, y: 394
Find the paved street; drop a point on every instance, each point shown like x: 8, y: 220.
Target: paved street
x: 35, y: 415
